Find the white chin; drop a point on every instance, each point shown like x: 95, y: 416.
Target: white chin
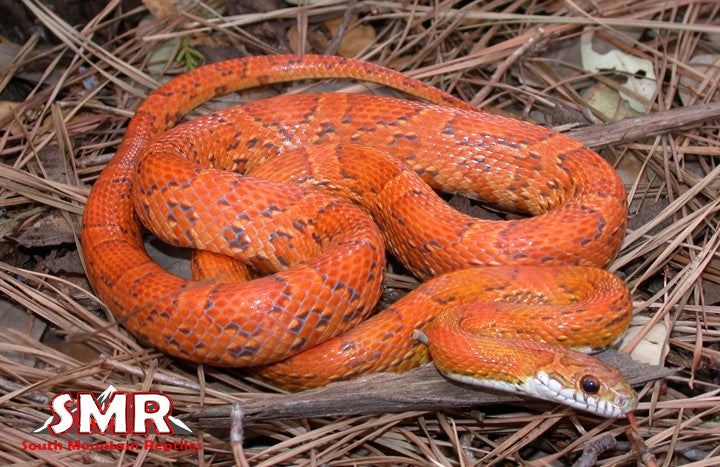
x: 546, y: 388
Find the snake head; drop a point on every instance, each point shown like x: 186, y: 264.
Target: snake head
x: 533, y: 368
x: 585, y: 383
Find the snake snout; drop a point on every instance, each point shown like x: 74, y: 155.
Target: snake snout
x: 624, y: 398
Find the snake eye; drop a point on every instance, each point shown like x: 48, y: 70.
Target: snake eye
x: 590, y: 384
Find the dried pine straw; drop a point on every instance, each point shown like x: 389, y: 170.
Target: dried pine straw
x: 496, y: 55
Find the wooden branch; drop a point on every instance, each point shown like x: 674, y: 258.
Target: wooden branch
x: 633, y: 129
x: 422, y: 389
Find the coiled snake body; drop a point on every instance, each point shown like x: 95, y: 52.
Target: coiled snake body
x: 322, y: 259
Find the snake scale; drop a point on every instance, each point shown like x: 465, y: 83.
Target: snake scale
x: 294, y: 189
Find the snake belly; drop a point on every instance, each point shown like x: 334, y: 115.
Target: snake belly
x: 322, y: 259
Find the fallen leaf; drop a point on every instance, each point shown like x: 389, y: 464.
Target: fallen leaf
x: 54, y: 166
x: 69, y: 263
x: 708, y: 65
x: 640, y: 73
x: 8, y: 51
x: 609, y: 102
x: 5, y: 108
x: 49, y: 230
x: 315, y: 40
x: 171, y: 258
x: 355, y: 39
x: 651, y: 349
x: 14, y: 317
x: 163, y: 53
x: 711, y: 292
x: 71, y: 346
x: 160, y: 8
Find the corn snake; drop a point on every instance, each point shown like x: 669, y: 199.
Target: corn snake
x: 322, y: 260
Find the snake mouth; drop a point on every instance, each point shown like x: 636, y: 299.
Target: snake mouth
x: 543, y: 386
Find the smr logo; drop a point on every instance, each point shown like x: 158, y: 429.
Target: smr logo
x: 113, y: 412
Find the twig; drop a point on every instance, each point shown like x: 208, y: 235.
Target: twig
x: 632, y: 129
x: 592, y: 450
x: 646, y: 456
x: 237, y: 435
x: 420, y: 389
